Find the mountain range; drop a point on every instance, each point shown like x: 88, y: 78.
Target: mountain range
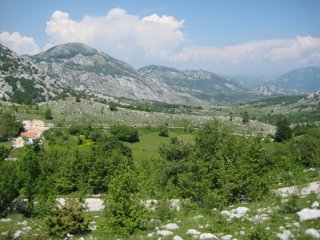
x: 75, y: 66
x: 22, y: 82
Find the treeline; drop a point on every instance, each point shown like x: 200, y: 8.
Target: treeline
x: 216, y: 170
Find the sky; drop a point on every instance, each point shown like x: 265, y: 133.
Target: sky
x: 228, y: 37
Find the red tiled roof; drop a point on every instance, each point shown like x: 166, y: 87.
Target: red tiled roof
x: 29, y: 134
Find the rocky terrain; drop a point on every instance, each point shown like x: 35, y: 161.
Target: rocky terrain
x: 302, y: 79
x: 92, y: 71
x: 89, y: 70
x: 272, y: 90
x: 23, y: 82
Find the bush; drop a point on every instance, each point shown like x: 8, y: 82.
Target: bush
x: 48, y: 114
x: 284, y: 131
x: 163, y: 131
x: 8, y: 185
x: 9, y: 126
x: 113, y: 107
x: 76, y: 130
x: 258, y: 233
x: 125, y: 133
x: 4, y: 152
x: 291, y: 205
x: 66, y: 219
x: 176, y: 150
x: 124, y: 210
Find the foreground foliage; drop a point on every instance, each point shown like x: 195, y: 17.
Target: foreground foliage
x: 67, y: 219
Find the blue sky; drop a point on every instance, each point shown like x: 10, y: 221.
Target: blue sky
x: 247, y: 37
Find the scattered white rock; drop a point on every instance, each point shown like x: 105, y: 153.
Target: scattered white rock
x: 171, y: 226
x: 235, y: 213
x: 150, y: 235
x: 242, y: 233
x: 24, y: 223
x: 226, y: 237
x: 198, y: 216
x: 164, y: 233
x: 69, y: 235
x: 176, y: 237
x: 5, y: 220
x: 307, y: 214
x: 94, y: 204
x: 193, y: 232
x: 313, y: 187
x: 175, y: 204
x: 313, y: 233
x: 92, y: 228
x: 26, y: 228
x: 315, y: 204
x: 17, y: 234
x: 150, y: 204
x: 296, y: 224
x: 208, y: 236
x: 285, y: 235
x: 259, y: 218
x: 81, y: 238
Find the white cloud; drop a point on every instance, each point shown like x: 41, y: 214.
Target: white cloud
x: 119, y: 32
x: 255, y: 56
x: 18, y: 43
x: 272, y: 50
x: 155, y: 39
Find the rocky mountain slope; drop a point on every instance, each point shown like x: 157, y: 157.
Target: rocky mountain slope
x: 87, y: 69
x: 199, y: 84
x: 272, y: 90
x: 302, y: 79
x: 22, y: 82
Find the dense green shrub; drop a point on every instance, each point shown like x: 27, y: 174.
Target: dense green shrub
x: 68, y: 218
x: 125, y: 133
x: 76, y: 130
x: 9, y: 126
x: 219, y: 169
x: 113, y: 106
x: 124, y: 211
x: 176, y: 150
x: 258, y: 233
x: 8, y: 185
x: 4, y: 152
x: 284, y: 131
x: 163, y: 131
x: 48, y: 114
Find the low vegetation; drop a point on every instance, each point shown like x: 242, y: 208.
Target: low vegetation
x: 194, y: 177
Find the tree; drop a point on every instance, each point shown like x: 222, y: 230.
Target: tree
x: 124, y: 210
x: 125, y: 133
x: 67, y: 219
x: 9, y: 126
x: 30, y: 171
x: 8, y: 185
x: 163, y: 131
x: 4, y: 152
x: 230, y: 116
x: 78, y: 99
x: 48, y: 114
x: 113, y: 106
x: 283, y: 131
x: 176, y: 150
x: 245, y: 117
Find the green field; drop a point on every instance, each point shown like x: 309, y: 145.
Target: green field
x: 147, y: 147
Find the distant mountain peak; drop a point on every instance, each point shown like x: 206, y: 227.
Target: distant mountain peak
x: 66, y: 50
x: 303, y: 79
